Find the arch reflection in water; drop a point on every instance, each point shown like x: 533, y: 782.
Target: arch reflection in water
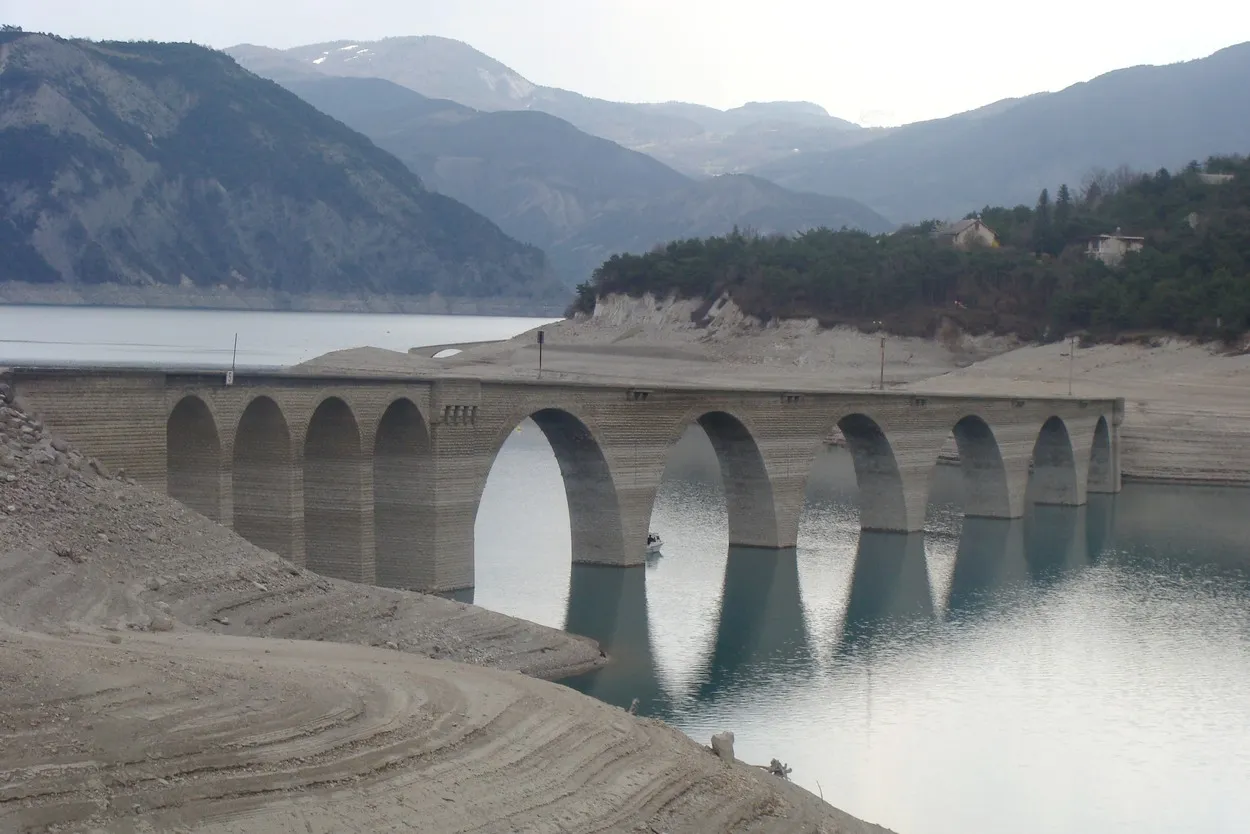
x: 762, y: 638
x: 1054, y: 541
x: 609, y: 605
x: 989, y: 562
x: 889, y: 591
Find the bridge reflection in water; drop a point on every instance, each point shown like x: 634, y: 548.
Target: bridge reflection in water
x: 763, y: 639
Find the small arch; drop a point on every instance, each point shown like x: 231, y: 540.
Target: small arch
x: 986, y: 490
x: 193, y: 457
x: 748, y: 489
x: 263, y: 478
x: 1101, y: 472
x: 332, y: 493
x: 882, y: 502
x: 1054, y: 465
x: 401, y: 503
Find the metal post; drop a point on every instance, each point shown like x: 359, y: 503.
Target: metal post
x: 1071, y: 361
x: 881, y: 381
x: 540, y: 353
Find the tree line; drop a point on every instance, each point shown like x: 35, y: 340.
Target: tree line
x: 1191, y: 277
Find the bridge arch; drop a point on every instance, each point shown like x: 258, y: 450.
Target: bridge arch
x: 333, y: 500
x: 594, y: 506
x: 263, y: 468
x: 882, y: 499
x: 401, y: 498
x: 1054, y: 466
x: 1101, y: 476
x: 193, y: 457
x: 987, y: 491
x: 749, y: 499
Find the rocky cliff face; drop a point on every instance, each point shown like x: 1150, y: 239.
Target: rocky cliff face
x: 144, y: 164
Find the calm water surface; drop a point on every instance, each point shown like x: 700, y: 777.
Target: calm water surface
x: 205, y: 338
x: 1081, y: 670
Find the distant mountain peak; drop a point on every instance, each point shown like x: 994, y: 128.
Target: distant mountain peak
x: 692, y: 138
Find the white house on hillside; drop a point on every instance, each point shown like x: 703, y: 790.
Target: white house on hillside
x: 967, y: 233
x: 1111, y: 249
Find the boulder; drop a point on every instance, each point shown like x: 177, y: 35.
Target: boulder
x: 723, y: 745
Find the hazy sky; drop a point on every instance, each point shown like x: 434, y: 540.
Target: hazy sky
x: 884, y: 62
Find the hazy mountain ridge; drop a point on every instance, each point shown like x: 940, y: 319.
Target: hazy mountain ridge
x: 146, y: 164
x: 579, y: 197
x: 693, y: 138
x: 1147, y: 117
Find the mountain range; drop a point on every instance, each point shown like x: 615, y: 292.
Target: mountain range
x: 692, y: 138
x: 579, y: 197
x: 1146, y: 117
x: 1005, y: 153
x: 141, y: 164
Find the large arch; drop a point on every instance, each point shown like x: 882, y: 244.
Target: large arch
x: 263, y: 478
x: 1101, y: 470
x: 882, y: 501
x: 594, y: 505
x: 1054, y: 466
x: 749, y: 500
x: 401, y: 500
x: 987, y: 493
x: 193, y: 457
x: 332, y: 494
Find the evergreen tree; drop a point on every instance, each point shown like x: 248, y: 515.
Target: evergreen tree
x: 1042, y: 223
x: 1062, y: 227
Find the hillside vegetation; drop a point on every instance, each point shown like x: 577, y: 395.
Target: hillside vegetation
x: 142, y: 164
x: 1192, y: 277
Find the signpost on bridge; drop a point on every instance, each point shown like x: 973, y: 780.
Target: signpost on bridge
x: 233, y: 356
x: 540, y: 354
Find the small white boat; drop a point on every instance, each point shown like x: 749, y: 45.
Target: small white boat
x: 654, y: 543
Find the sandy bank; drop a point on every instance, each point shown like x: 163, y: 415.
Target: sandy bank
x: 148, y: 681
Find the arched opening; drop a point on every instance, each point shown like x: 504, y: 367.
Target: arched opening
x: 1054, y: 466
x: 332, y: 494
x: 882, y: 504
x: 744, y: 477
x: 985, y: 488
x: 263, y: 475
x: 193, y: 457
x: 1101, y: 472
x: 401, y: 499
x: 594, y: 509
x: 547, y: 501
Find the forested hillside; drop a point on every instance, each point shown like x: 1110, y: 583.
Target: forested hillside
x: 1191, y: 277
x: 160, y: 164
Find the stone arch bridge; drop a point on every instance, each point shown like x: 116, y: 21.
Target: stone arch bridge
x: 378, y: 480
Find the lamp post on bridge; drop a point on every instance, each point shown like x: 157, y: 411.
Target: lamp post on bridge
x: 881, y: 376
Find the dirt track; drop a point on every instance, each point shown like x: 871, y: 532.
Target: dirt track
x: 146, y: 685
